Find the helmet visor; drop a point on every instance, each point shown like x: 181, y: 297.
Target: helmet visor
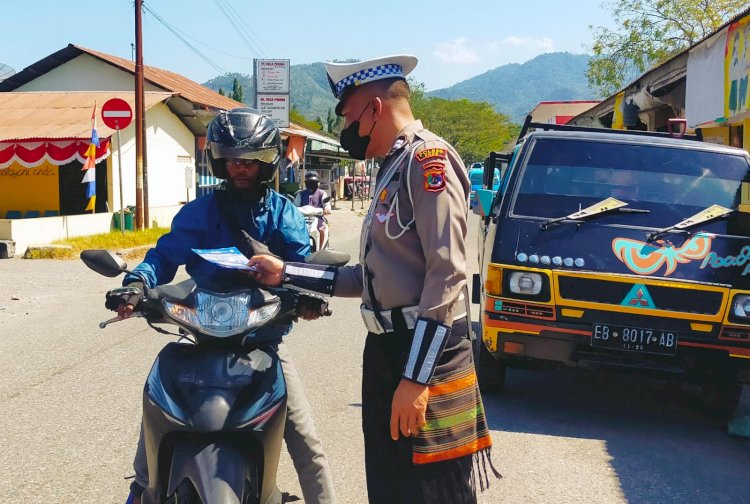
x: 219, y: 151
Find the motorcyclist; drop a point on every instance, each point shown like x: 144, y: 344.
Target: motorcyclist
x: 244, y: 149
x: 313, y: 195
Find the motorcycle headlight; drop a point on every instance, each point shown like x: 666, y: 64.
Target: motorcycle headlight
x: 526, y: 283
x: 741, y: 306
x: 222, y: 316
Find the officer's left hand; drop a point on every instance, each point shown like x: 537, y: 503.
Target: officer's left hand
x: 408, y: 408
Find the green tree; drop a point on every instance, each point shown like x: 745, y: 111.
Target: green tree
x: 473, y: 128
x: 330, y: 121
x: 296, y: 117
x: 237, y: 93
x: 221, y: 92
x: 649, y: 32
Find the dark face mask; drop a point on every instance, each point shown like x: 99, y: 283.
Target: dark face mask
x: 351, y: 141
x: 311, y: 186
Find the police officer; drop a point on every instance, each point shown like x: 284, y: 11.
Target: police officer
x: 422, y: 413
x: 243, y: 148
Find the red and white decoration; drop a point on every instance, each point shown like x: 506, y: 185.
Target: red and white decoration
x: 31, y: 153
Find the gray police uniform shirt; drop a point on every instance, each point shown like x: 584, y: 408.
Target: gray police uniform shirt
x: 413, y: 238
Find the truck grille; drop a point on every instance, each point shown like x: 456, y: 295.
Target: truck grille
x: 691, y: 300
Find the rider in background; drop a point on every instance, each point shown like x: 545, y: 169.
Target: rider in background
x: 314, y: 196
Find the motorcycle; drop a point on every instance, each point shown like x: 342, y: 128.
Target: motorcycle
x: 214, y: 410
x: 312, y: 214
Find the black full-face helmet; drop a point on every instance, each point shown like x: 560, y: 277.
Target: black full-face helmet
x: 311, y: 180
x: 243, y: 133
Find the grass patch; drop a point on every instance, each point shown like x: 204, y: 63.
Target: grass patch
x: 114, y: 241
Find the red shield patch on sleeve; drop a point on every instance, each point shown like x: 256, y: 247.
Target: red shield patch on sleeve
x: 434, y: 177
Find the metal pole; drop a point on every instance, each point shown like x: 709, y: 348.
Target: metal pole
x: 138, y: 118
x: 119, y: 162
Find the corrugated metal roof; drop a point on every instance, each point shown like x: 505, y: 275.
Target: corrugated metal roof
x: 67, y: 114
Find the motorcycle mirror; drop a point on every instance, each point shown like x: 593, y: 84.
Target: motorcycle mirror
x: 326, y: 199
x: 328, y: 257
x: 104, y: 262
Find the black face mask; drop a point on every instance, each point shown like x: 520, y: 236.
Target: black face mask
x: 351, y: 141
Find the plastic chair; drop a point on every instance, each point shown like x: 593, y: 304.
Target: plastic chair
x: 13, y: 214
x: 51, y: 213
x: 31, y: 214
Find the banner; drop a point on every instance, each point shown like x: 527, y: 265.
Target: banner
x: 704, y: 94
x: 737, y: 68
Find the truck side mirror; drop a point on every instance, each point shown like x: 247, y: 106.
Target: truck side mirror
x: 482, y: 203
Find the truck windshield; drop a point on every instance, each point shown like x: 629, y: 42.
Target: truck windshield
x: 562, y: 176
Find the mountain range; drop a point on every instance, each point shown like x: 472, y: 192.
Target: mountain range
x: 512, y: 89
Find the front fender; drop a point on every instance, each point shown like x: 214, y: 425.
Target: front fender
x: 220, y: 472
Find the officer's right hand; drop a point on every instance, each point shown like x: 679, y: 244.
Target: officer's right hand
x: 268, y: 269
x: 125, y: 300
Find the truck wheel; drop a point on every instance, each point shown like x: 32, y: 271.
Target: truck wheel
x: 490, y: 372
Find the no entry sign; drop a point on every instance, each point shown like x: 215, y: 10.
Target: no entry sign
x: 116, y: 113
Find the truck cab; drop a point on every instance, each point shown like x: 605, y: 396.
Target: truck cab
x: 617, y: 250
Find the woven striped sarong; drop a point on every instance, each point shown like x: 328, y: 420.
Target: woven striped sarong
x: 456, y: 425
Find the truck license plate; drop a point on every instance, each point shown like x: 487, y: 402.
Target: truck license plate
x: 634, y: 339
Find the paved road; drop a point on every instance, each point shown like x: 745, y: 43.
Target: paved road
x: 70, y: 406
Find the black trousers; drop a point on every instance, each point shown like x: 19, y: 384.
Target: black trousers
x: 392, y: 478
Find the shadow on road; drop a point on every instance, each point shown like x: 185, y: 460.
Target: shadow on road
x: 663, y: 449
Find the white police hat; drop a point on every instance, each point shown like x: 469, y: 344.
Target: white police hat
x: 343, y: 76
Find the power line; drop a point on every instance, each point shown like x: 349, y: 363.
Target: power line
x: 177, y: 34
x: 253, y: 36
x: 233, y: 17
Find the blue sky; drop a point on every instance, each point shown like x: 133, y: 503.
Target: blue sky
x: 453, y: 40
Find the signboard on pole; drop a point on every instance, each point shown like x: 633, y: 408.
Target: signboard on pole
x: 276, y: 107
x: 116, y: 113
x: 272, y: 76
x: 272, y: 88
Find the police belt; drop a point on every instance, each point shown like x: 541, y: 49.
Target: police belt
x: 404, y: 318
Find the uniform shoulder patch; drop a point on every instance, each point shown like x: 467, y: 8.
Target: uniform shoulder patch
x: 434, y: 176
x: 431, y: 153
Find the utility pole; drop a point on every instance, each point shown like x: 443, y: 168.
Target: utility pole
x: 139, y: 172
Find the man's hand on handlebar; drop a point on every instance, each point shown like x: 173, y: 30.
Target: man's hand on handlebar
x: 125, y: 300
x: 311, y: 307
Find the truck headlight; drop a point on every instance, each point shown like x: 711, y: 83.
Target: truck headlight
x: 741, y: 306
x: 526, y: 283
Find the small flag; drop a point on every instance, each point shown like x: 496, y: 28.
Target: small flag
x: 89, y: 166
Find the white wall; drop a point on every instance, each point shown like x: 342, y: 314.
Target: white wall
x: 43, y: 230
x: 85, y: 73
x: 168, y: 143
x: 170, y: 147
